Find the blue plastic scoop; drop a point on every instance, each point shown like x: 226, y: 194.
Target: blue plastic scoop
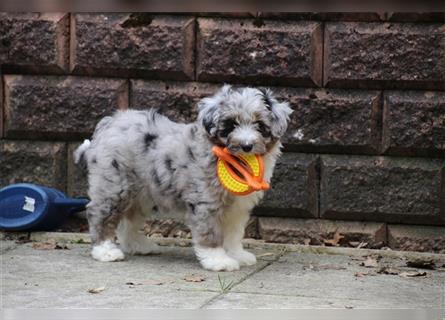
x: 25, y: 206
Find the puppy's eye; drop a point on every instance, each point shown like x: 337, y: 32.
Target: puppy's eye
x: 263, y: 129
x: 228, y: 127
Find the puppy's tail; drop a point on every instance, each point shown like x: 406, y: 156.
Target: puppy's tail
x: 79, y: 154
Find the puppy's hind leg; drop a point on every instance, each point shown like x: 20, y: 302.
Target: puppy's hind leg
x: 205, y: 224
x: 109, y: 194
x: 103, y: 221
x: 131, y: 239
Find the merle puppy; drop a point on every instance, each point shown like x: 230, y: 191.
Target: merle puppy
x: 139, y: 161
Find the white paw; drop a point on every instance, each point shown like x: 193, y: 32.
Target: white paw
x: 245, y: 258
x: 107, y: 251
x: 141, y: 246
x: 216, y: 259
x: 220, y: 264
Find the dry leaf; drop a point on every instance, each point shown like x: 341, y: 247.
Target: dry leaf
x: 194, y: 278
x: 96, y: 290
x: 422, y: 263
x: 388, y: 270
x: 50, y: 244
x: 370, y: 262
x: 307, y: 242
x: 411, y: 274
x: 334, y: 241
x: 43, y: 246
x: 61, y: 247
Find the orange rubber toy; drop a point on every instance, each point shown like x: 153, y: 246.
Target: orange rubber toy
x: 242, y: 174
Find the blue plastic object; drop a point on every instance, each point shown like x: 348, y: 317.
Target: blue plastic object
x: 25, y: 206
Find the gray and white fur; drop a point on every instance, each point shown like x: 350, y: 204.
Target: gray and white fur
x: 140, y: 161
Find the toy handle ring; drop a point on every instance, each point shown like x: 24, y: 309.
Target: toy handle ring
x: 251, y: 181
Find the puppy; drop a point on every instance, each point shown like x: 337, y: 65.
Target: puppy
x: 140, y: 161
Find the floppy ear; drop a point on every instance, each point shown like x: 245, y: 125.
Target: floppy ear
x: 280, y: 113
x: 208, y: 108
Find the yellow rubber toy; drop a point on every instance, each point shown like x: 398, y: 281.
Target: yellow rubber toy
x: 242, y: 174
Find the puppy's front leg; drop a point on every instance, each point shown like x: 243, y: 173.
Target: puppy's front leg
x: 234, y: 224
x: 205, y: 224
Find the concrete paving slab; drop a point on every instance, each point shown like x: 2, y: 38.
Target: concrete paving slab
x: 61, y: 278
x: 68, y: 237
x: 6, y: 245
x: 301, y: 278
x: 235, y: 300
x: 330, y: 279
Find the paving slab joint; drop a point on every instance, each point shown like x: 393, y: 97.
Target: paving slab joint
x: 281, y: 253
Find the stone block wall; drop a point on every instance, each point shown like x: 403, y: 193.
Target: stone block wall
x: 365, y: 150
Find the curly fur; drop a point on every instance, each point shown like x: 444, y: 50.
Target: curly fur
x: 139, y: 161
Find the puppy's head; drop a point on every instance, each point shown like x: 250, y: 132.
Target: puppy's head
x: 245, y: 120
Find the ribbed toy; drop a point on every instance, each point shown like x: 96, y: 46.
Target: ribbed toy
x: 241, y: 174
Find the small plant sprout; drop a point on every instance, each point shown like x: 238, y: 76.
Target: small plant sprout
x: 225, y: 286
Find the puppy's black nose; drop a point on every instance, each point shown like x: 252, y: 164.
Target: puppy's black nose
x: 247, y: 147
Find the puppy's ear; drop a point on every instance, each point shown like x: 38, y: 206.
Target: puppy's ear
x: 208, y: 110
x: 280, y: 113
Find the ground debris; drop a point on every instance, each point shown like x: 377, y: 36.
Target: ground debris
x: 412, y: 274
x: 96, y: 290
x: 358, y: 245
x: 153, y: 282
x: 183, y: 243
x: 330, y: 267
x: 267, y: 254
x: 370, y: 262
x: 166, y: 228
x: 309, y: 267
x: 50, y: 244
x: 422, y: 263
x: 316, y: 267
x: 133, y: 284
x: 389, y: 270
x: 194, y: 278
x: 335, y: 241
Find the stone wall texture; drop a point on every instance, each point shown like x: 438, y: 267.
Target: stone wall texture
x: 364, y: 155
